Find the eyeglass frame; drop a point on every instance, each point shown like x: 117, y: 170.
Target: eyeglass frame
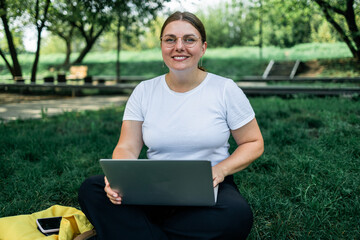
x: 182, y: 40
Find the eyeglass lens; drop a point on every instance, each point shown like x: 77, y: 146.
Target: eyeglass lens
x: 187, y: 40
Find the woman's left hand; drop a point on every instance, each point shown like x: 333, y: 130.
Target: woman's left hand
x: 218, y: 175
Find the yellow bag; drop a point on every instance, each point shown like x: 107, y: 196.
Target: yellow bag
x: 23, y: 227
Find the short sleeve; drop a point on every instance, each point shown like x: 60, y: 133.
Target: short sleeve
x: 133, y: 109
x: 238, y: 109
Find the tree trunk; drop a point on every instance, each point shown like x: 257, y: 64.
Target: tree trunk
x: 83, y: 53
x: 67, y: 39
x: 260, y: 30
x: 68, y: 53
x: 353, y: 42
x: 36, y: 60
x: 16, y: 69
x: 7, y: 63
x: 39, y: 30
x: 351, y: 22
x: 118, y: 36
x: 89, y: 44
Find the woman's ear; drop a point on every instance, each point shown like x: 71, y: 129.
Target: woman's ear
x: 204, y: 46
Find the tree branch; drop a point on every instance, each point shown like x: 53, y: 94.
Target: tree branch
x: 37, y: 13
x: 16, y: 68
x: 340, y: 31
x: 351, y: 22
x: 11, y: 69
x: 324, y: 4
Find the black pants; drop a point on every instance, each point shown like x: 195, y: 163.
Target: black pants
x: 231, y: 218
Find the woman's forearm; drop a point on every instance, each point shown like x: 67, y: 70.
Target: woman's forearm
x: 123, y: 153
x: 242, y: 157
x: 250, y: 146
x: 130, y: 142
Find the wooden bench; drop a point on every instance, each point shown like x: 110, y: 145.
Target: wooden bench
x: 78, y: 72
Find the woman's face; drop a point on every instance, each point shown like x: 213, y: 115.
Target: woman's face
x: 180, y: 56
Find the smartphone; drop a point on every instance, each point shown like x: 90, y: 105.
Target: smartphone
x: 49, y: 225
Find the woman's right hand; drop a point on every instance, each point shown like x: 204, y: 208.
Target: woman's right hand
x: 111, y: 194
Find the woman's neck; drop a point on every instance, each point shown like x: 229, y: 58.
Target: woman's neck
x: 184, y: 81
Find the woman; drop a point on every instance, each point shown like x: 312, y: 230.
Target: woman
x: 185, y: 114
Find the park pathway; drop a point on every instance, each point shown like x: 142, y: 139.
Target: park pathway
x: 39, y: 108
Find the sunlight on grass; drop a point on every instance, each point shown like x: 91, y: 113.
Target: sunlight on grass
x: 305, y: 186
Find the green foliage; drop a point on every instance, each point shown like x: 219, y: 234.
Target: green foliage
x: 305, y: 186
x: 88, y: 20
x: 322, y: 31
x: 52, y: 44
x: 152, y: 34
x: 14, y: 9
x: 17, y: 35
x: 343, y: 16
x: 286, y: 23
x: 234, y: 23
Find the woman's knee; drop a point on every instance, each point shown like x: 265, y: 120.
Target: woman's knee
x: 237, y: 216
x: 240, y: 220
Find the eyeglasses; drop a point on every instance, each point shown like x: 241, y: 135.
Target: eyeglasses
x: 189, y: 41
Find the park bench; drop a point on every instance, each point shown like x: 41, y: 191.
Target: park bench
x: 77, y: 72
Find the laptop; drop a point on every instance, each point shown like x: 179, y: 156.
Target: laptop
x: 162, y: 182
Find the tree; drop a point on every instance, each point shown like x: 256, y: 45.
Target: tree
x: 322, y: 31
x: 6, y: 8
x: 286, y: 23
x: 62, y: 28
x: 254, y: 22
x: 89, y: 17
x: 152, y: 34
x: 39, y: 15
x: 346, y: 9
x: 127, y: 14
x: 226, y: 24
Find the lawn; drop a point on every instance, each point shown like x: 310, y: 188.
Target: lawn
x: 234, y: 62
x: 305, y: 186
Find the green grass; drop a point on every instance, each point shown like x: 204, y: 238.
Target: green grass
x: 233, y: 62
x: 305, y: 186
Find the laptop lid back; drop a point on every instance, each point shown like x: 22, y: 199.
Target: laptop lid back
x: 161, y: 182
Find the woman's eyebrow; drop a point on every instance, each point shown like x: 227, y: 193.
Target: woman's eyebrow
x: 185, y: 35
x: 170, y: 35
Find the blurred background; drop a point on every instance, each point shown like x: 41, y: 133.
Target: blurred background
x: 40, y: 38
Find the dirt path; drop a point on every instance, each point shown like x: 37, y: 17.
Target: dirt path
x: 311, y: 69
x: 16, y: 106
x: 18, y: 98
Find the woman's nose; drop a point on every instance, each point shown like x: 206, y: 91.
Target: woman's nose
x: 179, y: 44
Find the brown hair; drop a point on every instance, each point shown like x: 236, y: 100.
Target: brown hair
x: 190, y: 18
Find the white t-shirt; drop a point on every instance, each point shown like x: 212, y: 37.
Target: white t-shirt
x: 194, y: 125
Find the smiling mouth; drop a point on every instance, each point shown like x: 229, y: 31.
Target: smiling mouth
x: 180, y: 58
